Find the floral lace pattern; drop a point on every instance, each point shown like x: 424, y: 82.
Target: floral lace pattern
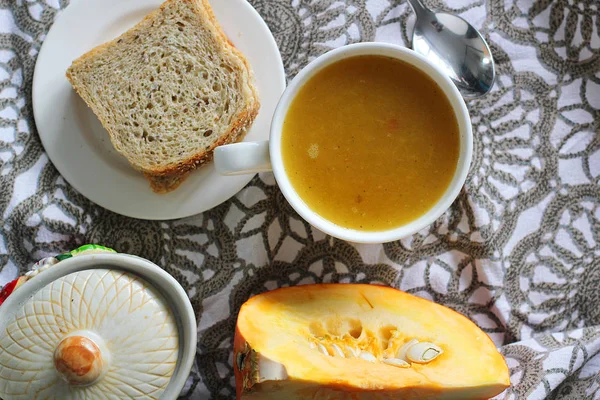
x: 518, y: 252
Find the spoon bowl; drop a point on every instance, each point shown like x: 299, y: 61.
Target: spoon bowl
x: 456, y: 47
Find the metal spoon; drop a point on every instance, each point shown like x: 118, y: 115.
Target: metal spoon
x: 457, y: 47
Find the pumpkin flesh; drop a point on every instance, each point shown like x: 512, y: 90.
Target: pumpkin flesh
x: 331, y: 341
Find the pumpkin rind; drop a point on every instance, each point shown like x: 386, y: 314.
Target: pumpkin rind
x: 280, y: 337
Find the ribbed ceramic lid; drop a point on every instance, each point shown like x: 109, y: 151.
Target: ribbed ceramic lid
x: 92, y: 334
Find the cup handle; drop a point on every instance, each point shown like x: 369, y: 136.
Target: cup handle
x: 242, y: 158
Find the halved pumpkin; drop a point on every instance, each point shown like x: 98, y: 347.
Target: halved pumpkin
x: 353, y: 341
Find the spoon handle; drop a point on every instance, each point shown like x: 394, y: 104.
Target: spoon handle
x: 418, y: 7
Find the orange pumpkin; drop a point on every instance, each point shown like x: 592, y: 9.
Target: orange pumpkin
x: 352, y: 341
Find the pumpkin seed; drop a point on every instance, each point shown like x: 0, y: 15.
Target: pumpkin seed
x: 337, y: 350
x: 322, y: 349
x: 365, y: 355
x: 396, y: 362
x: 353, y: 352
x: 402, y: 351
x: 423, y: 352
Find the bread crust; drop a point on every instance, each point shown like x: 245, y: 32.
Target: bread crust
x: 180, y: 170
x: 168, y: 183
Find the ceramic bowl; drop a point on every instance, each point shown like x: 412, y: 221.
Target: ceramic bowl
x: 93, y: 323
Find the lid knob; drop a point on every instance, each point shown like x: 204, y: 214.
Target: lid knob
x: 79, y: 361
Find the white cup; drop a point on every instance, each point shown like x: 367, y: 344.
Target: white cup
x: 253, y: 157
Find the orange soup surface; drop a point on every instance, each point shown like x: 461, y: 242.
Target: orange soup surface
x: 370, y: 143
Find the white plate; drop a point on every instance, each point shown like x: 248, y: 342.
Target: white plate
x: 78, y: 145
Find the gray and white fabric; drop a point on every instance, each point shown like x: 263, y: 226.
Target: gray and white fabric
x: 518, y: 252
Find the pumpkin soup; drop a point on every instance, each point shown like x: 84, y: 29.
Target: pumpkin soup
x: 370, y: 143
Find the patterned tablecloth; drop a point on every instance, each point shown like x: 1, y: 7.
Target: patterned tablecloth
x: 518, y: 252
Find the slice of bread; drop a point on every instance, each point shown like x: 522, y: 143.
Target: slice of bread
x: 169, y: 91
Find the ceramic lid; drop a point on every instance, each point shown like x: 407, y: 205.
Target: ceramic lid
x: 91, y: 334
